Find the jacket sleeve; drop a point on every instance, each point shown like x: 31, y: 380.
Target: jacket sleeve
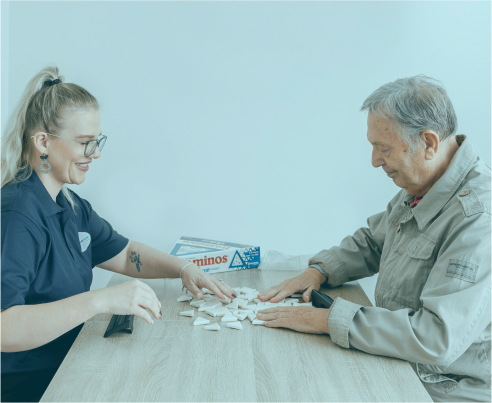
x: 455, y: 305
x: 358, y: 256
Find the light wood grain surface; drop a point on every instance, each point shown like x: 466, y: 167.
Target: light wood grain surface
x: 173, y: 360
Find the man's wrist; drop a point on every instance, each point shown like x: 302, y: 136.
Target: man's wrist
x: 315, y: 272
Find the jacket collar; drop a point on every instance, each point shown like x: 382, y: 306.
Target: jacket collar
x: 444, y: 189
x: 49, y: 206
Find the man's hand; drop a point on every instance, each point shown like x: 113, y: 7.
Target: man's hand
x: 304, y: 319
x: 305, y: 283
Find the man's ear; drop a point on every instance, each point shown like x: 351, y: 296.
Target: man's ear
x: 431, y: 141
x: 41, y: 142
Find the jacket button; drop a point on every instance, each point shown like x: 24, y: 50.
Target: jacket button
x: 464, y: 193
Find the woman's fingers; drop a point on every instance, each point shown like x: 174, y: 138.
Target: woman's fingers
x: 139, y: 311
x: 149, y: 289
x: 150, y: 304
x: 226, y: 289
x: 210, y: 285
x: 194, y: 289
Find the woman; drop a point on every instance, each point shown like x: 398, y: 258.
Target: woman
x: 51, y: 239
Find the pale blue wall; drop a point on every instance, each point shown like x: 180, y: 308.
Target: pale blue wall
x: 239, y: 121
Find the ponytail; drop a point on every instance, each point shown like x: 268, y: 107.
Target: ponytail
x: 40, y: 108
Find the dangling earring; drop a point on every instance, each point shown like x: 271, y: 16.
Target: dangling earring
x: 44, y: 161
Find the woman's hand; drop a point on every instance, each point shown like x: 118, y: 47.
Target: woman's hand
x: 304, y: 319
x: 305, y: 283
x: 130, y: 298
x: 195, y: 279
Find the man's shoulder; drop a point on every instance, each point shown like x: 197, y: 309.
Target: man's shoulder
x: 474, y: 192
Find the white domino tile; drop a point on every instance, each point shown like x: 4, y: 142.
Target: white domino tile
x: 241, y: 316
x: 197, y: 303
x: 184, y: 298
x: 235, y: 325
x: 258, y: 322
x: 214, y: 326
x: 228, y: 318
x: 241, y: 303
x: 200, y: 321
x: 213, y: 311
x: 223, y: 311
x: 208, y: 305
x: 187, y: 313
x: 233, y: 305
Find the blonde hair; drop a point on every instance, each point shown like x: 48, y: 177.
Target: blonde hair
x: 40, y: 108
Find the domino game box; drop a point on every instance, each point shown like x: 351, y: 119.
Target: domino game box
x: 216, y: 256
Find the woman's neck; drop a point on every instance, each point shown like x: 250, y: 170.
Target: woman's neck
x: 52, y: 186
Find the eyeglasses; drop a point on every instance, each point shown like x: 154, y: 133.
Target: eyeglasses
x: 90, y: 146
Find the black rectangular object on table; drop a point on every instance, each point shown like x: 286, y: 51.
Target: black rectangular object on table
x: 321, y: 300
x: 120, y: 323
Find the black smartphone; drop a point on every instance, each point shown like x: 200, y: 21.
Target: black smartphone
x: 321, y: 300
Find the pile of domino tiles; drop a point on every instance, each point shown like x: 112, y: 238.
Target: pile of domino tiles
x: 232, y: 312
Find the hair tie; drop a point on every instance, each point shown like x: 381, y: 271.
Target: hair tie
x: 49, y: 83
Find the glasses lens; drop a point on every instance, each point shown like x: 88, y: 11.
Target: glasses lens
x: 101, y: 143
x: 91, y: 146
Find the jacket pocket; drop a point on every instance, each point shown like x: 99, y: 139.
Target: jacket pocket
x: 412, y: 271
x: 448, y: 384
x: 421, y: 247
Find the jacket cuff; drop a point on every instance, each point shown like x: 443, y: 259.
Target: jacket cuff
x: 340, y: 317
x: 333, y: 267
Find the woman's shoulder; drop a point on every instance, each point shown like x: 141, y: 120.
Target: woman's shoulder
x: 17, y: 197
x: 80, y: 204
x: 20, y: 208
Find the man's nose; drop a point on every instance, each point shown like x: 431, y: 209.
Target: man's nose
x: 376, y: 159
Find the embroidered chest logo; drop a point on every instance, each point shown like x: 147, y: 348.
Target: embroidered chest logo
x: 85, y: 240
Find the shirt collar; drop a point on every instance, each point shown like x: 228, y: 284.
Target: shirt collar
x: 442, y: 191
x: 50, y: 207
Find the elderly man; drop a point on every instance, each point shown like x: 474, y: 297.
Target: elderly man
x: 431, y: 247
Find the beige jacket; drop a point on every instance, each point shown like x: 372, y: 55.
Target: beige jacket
x: 433, y: 302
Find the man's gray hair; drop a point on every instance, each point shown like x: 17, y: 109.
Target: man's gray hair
x: 414, y: 104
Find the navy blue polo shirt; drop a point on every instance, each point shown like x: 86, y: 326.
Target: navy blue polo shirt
x: 48, y: 253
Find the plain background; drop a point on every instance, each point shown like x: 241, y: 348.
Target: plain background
x: 240, y: 121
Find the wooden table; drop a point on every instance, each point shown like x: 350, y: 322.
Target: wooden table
x: 173, y: 360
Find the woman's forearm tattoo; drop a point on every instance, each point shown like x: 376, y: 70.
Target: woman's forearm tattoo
x: 134, y: 258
